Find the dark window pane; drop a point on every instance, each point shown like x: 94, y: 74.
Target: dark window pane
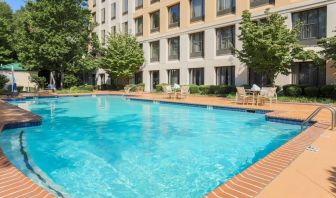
x: 196, y: 76
x: 174, y: 16
x: 197, y: 10
x: 225, y: 6
x: 225, y: 75
x: 313, y: 25
x: 174, y: 48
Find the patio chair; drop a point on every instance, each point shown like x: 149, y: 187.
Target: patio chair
x: 184, y: 92
x: 168, y: 91
x: 241, y: 94
x: 268, y: 93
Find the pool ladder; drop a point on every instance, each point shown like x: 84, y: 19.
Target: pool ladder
x: 316, y: 112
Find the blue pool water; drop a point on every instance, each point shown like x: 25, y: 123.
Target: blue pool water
x: 108, y: 146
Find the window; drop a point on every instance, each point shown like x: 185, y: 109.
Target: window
x: 154, y: 1
x: 155, y: 51
x: 197, y: 10
x: 94, y: 16
x: 259, y: 79
x: 225, y: 7
x: 125, y: 27
x: 306, y: 73
x: 255, y: 3
x: 225, y: 75
x: 138, y: 4
x: 103, y: 37
x: 174, y: 15
x: 155, y: 21
x: 174, y: 48
x: 102, y: 79
x: 225, y: 40
x: 154, y: 79
x: 196, y: 44
x: 314, y: 25
x: 196, y: 76
x: 138, y: 77
x: 103, y: 15
x: 138, y: 26
x: 124, y: 7
x: 113, y: 11
x: 113, y: 30
x: 173, y: 76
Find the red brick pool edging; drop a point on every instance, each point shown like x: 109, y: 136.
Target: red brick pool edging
x: 13, y: 183
x: 255, y: 178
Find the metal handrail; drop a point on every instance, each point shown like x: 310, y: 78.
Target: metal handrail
x: 314, y: 114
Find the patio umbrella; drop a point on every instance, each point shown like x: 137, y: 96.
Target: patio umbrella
x: 14, y: 89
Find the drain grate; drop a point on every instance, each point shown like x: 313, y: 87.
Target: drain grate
x: 312, y: 149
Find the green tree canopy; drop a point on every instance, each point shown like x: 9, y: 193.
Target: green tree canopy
x: 329, y: 48
x: 52, y: 35
x: 7, y: 54
x: 270, y: 47
x: 122, y: 56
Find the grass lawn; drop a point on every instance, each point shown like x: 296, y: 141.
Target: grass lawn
x: 72, y: 91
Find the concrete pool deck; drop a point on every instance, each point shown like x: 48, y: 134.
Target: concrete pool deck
x: 290, y: 171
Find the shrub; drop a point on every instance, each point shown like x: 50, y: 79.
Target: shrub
x: 204, y: 89
x: 74, y: 89
x: 86, y: 87
x: 3, y: 80
x: 213, y: 89
x: 194, y: 89
x: 131, y: 87
x: 70, y: 80
x: 303, y: 87
x: 159, y: 87
x: 106, y: 87
x: 292, y: 90
x: 140, y: 87
x: 39, y: 81
x: 327, y: 91
x: 20, y: 88
x: 311, y: 91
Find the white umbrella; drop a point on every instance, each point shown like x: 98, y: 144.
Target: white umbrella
x: 14, y: 89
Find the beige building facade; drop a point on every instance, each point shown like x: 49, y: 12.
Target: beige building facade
x: 190, y: 41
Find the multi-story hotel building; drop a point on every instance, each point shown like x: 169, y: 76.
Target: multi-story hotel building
x: 190, y: 41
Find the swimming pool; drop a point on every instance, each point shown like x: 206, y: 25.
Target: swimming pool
x: 109, y: 146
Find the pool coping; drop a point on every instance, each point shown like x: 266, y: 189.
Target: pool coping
x: 251, y: 181
x: 13, y: 183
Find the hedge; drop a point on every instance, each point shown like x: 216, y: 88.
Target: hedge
x: 194, y: 89
x: 312, y: 91
x: 327, y: 91
x: 292, y: 90
x: 159, y: 87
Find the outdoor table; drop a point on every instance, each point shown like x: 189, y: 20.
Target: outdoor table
x: 254, y: 94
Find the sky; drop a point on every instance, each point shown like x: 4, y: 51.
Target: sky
x: 15, y: 4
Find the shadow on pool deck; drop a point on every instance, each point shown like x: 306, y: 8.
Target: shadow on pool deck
x: 332, y: 179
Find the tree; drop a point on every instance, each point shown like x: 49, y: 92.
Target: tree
x: 270, y: 47
x: 122, y: 57
x: 39, y: 81
x: 53, y: 35
x: 7, y: 54
x: 3, y: 81
x: 329, y: 48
